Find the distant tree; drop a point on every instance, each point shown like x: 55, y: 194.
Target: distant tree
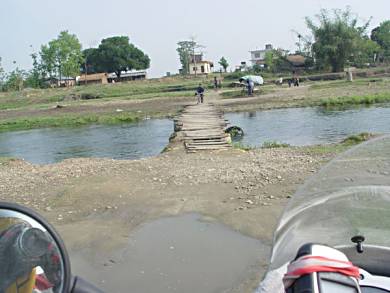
x: 223, y: 62
x: 185, y: 50
x: 381, y: 35
x: 35, y: 77
x: 269, y: 60
x: 91, y: 61
x: 337, y: 37
x: 116, y: 54
x: 62, y: 56
x: 15, y: 80
x: 365, y: 53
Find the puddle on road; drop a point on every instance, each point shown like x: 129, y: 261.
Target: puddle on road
x: 177, y: 254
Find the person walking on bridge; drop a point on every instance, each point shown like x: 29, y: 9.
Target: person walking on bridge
x: 200, y: 94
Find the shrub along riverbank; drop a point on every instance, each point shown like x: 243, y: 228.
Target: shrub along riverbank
x: 356, y: 100
x: 66, y: 121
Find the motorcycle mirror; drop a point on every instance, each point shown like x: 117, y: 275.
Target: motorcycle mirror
x: 32, y: 254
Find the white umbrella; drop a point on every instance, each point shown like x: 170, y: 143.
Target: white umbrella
x: 257, y: 79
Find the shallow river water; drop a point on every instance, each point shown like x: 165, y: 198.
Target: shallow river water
x: 295, y: 126
x: 308, y: 126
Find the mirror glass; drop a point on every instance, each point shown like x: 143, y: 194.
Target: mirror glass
x: 30, y: 259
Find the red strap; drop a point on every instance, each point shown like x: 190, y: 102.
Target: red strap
x: 310, y: 264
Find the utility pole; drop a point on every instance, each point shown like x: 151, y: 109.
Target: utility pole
x: 193, y: 54
x: 194, y: 47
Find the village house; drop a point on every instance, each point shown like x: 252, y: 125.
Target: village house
x: 96, y: 78
x: 296, y: 61
x: 199, y: 66
x: 60, y: 82
x: 258, y: 56
x: 128, y: 75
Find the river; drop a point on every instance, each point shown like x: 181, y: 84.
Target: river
x: 295, y: 126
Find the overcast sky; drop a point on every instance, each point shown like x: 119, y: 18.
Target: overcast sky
x: 227, y: 28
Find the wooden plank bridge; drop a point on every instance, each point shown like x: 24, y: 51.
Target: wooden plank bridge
x: 202, y: 127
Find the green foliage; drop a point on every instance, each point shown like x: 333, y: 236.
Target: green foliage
x: 224, y: 64
x: 116, y: 54
x: 185, y: 49
x: 365, y: 53
x: 356, y: 100
x: 357, y: 138
x: 337, y: 37
x: 381, y: 35
x: 35, y: 78
x: 62, y: 56
x: 241, y: 146
x: 274, y: 144
x: 269, y: 60
x: 14, y: 81
x: 65, y: 121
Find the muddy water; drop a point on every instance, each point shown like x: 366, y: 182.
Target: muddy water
x: 176, y: 254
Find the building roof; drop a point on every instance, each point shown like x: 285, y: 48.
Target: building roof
x: 204, y: 62
x: 95, y: 76
x: 130, y: 73
x: 296, y: 60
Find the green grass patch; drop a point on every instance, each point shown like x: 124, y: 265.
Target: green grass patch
x: 66, y: 121
x: 241, y: 146
x: 274, y: 144
x: 145, y: 89
x: 342, y: 146
x: 5, y: 161
x: 357, y: 138
x: 356, y: 100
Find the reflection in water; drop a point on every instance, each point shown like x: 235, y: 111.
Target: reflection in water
x: 307, y: 126
x: 128, y: 141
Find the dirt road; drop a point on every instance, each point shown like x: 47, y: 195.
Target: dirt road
x: 93, y: 199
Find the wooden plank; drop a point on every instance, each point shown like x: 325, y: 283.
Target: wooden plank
x: 202, y: 127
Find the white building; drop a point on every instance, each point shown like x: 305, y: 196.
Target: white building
x: 258, y: 56
x: 202, y: 67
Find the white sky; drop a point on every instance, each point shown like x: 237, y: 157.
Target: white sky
x: 227, y: 28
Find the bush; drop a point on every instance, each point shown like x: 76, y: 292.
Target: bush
x: 356, y: 100
x: 274, y: 144
x: 357, y: 138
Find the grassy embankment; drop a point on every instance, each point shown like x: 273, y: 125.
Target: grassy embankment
x: 92, y: 95
x: 379, y: 93
x: 317, y: 149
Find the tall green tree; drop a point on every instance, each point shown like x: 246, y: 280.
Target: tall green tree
x: 381, y: 35
x: 185, y: 49
x: 117, y: 54
x: 337, y: 37
x: 35, y: 77
x: 90, y: 60
x: 62, y: 56
x: 223, y: 62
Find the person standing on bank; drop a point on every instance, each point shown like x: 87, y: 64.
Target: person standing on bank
x: 251, y: 86
x: 215, y: 83
x: 200, y: 93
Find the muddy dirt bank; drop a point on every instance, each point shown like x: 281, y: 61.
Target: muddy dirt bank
x: 96, y: 203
